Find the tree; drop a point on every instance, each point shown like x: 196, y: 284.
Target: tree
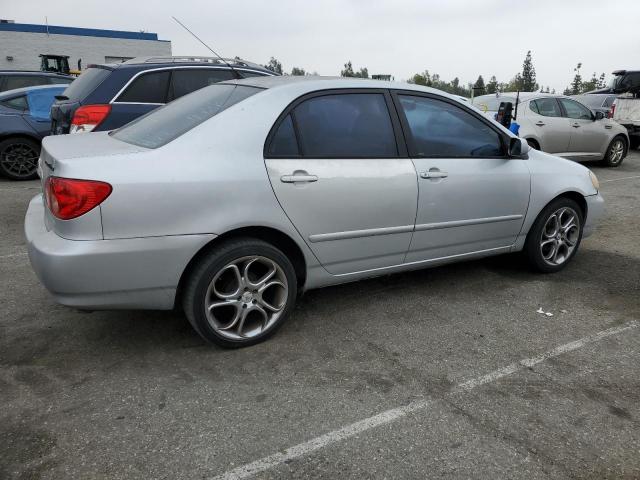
x: 601, y: 81
x: 423, y: 78
x: 479, y: 87
x: 298, y: 72
x: 492, y: 86
x: 576, y: 85
x: 591, y: 84
x: 348, y: 71
x: 528, y: 77
x: 274, y: 65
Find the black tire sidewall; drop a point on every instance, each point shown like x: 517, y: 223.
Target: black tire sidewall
x: 532, y: 244
x: 11, y: 141
x: 211, y: 265
x: 607, y: 162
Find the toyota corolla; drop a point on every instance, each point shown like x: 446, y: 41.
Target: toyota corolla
x: 231, y: 200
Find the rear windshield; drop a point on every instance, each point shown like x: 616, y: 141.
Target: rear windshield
x: 86, y: 83
x: 167, y: 123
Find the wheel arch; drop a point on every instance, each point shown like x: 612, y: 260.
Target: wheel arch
x: 276, y: 237
x: 27, y: 135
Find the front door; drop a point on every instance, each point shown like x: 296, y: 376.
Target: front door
x: 545, y: 121
x: 588, y: 136
x: 472, y: 198
x: 335, y: 167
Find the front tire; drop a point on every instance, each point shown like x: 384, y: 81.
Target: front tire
x: 616, y: 152
x: 555, y: 236
x: 240, y: 293
x: 19, y: 158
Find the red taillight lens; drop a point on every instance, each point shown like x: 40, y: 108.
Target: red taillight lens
x: 69, y: 198
x: 612, y: 110
x: 88, y: 117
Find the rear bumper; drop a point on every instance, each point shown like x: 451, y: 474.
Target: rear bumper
x: 595, y: 210
x: 140, y: 273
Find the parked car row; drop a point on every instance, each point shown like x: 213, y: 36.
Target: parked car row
x: 562, y: 126
x: 230, y: 200
x: 104, y: 97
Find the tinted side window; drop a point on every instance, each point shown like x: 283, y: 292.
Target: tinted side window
x: 609, y: 101
x: 576, y: 110
x: 187, y: 81
x: 247, y: 74
x: 547, y: 107
x: 346, y: 125
x: 440, y: 129
x: 17, y: 103
x: 284, y: 142
x: 533, y: 106
x: 20, y: 81
x: 147, y: 88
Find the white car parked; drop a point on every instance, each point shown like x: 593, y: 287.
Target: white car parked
x: 559, y: 125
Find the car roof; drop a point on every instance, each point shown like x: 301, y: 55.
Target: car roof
x: 177, y: 61
x: 20, y: 91
x: 315, y: 82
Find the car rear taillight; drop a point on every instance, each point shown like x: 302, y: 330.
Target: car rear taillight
x: 612, y: 110
x: 88, y: 117
x: 69, y: 198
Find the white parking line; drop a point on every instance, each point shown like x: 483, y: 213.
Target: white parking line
x: 389, y: 416
x: 619, y: 178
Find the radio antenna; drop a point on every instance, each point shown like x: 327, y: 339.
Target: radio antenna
x: 208, y: 47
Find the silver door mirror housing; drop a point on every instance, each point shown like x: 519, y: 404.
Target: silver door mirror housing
x: 518, y: 148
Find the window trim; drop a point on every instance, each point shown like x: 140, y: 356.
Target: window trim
x: 114, y: 100
x: 395, y: 93
x: 401, y: 147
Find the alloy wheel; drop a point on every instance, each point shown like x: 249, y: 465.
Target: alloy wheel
x: 246, y: 297
x: 20, y: 160
x: 616, y: 152
x: 560, y: 236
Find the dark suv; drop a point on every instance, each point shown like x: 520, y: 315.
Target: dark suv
x: 12, y: 79
x: 108, y: 96
x: 623, y: 81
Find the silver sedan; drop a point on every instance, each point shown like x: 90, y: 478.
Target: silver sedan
x: 233, y: 199
x: 564, y: 127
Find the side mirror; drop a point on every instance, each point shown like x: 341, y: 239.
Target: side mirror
x: 599, y: 116
x: 518, y: 148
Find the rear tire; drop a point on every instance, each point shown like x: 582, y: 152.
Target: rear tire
x: 554, y: 237
x: 240, y: 293
x: 616, y: 152
x: 19, y: 158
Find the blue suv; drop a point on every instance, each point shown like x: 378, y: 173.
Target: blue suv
x: 108, y: 96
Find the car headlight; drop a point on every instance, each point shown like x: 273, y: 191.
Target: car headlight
x: 594, y: 180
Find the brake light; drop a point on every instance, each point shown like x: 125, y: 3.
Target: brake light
x: 612, y: 110
x: 69, y: 198
x: 88, y: 117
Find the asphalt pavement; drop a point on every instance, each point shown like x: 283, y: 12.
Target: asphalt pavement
x: 443, y: 373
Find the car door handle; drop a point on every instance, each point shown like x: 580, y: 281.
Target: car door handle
x: 434, y: 174
x: 298, y: 178
x: 540, y: 124
x: 576, y: 125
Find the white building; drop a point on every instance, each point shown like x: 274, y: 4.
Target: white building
x: 21, y: 44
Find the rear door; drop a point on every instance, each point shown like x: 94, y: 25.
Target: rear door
x: 546, y: 120
x: 472, y: 197
x: 338, y: 166
x: 588, y: 136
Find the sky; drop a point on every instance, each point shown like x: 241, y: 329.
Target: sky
x: 454, y: 38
